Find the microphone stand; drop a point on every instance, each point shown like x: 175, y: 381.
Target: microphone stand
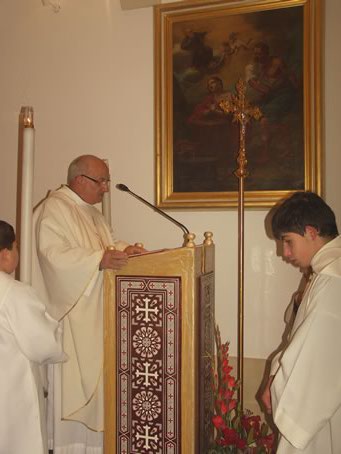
x: 187, y: 235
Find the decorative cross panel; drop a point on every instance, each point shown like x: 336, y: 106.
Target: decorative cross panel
x: 206, y: 431
x: 148, y: 365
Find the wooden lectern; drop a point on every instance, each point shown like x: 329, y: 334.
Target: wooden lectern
x: 158, y: 343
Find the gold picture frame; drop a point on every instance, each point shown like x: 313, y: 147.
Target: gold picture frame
x: 202, y: 48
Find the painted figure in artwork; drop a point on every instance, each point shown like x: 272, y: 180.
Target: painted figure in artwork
x: 273, y: 87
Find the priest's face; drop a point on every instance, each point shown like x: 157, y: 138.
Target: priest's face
x: 297, y: 249
x: 94, y: 182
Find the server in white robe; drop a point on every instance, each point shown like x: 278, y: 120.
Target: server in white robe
x: 29, y: 337
x: 72, y: 239
x: 305, y: 381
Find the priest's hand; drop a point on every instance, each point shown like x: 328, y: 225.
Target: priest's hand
x: 134, y: 250
x: 113, y: 260
x: 266, y: 396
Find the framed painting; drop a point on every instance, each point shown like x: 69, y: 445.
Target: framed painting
x: 202, y: 49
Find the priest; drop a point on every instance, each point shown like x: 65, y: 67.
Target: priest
x: 72, y: 239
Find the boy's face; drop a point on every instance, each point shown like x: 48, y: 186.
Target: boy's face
x: 10, y: 259
x: 297, y: 249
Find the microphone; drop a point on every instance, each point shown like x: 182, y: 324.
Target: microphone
x: 124, y: 188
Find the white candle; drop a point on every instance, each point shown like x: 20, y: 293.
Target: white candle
x: 106, y: 202
x: 27, y: 197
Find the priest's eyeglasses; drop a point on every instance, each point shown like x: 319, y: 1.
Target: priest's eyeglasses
x: 99, y: 181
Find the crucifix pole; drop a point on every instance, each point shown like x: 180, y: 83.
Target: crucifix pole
x: 242, y: 112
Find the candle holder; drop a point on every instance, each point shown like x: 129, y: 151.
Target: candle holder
x: 27, y: 114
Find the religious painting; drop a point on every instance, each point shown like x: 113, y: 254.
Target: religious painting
x: 202, y: 50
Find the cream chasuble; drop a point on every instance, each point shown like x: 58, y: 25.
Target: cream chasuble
x: 306, y: 390
x: 28, y: 337
x: 71, y: 236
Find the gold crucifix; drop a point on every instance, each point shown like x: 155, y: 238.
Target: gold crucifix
x: 242, y: 112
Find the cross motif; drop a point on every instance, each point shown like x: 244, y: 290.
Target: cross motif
x: 146, y: 309
x: 147, y: 374
x: 147, y: 437
x: 242, y: 112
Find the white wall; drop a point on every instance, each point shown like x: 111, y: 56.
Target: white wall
x: 88, y: 73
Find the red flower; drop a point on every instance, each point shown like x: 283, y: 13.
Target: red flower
x: 228, y: 394
x: 231, y: 382
x: 235, y: 427
x: 232, y: 438
x: 226, y: 367
x: 223, y: 407
x: 249, y: 422
x: 218, y: 422
x: 267, y: 441
x: 232, y: 404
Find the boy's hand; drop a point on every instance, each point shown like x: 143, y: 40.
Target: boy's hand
x: 266, y: 396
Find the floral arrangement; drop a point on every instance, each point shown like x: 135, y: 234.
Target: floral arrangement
x: 237, y: 431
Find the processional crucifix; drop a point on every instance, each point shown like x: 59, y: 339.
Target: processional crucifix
x: 242, y: 112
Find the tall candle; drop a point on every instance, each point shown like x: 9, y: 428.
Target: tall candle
x: 27, y: 197
x: 106, y: 202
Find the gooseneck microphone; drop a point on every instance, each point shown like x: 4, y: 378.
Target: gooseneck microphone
x: 124, y: 188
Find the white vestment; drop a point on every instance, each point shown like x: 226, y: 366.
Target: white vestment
x: 306, y: 390
x: 28, y: 337
x: 71, y: 237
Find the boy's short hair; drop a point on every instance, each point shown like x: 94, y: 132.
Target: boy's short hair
x: 7, y: 235
x: 304, y: 209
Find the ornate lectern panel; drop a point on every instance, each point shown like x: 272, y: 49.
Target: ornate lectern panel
x: 205, y: 361
x: 148, y: 347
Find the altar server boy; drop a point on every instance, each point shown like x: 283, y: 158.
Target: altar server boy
x: 305, y: 377
x: 29, y: 337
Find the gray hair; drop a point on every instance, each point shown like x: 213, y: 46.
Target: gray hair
x: 77, y: 167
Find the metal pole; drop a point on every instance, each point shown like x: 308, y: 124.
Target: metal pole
x: 241, y: 291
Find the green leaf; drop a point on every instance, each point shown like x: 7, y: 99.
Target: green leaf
x: 264, y: 429
x: 235, y: 423
x: 250, y: 436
